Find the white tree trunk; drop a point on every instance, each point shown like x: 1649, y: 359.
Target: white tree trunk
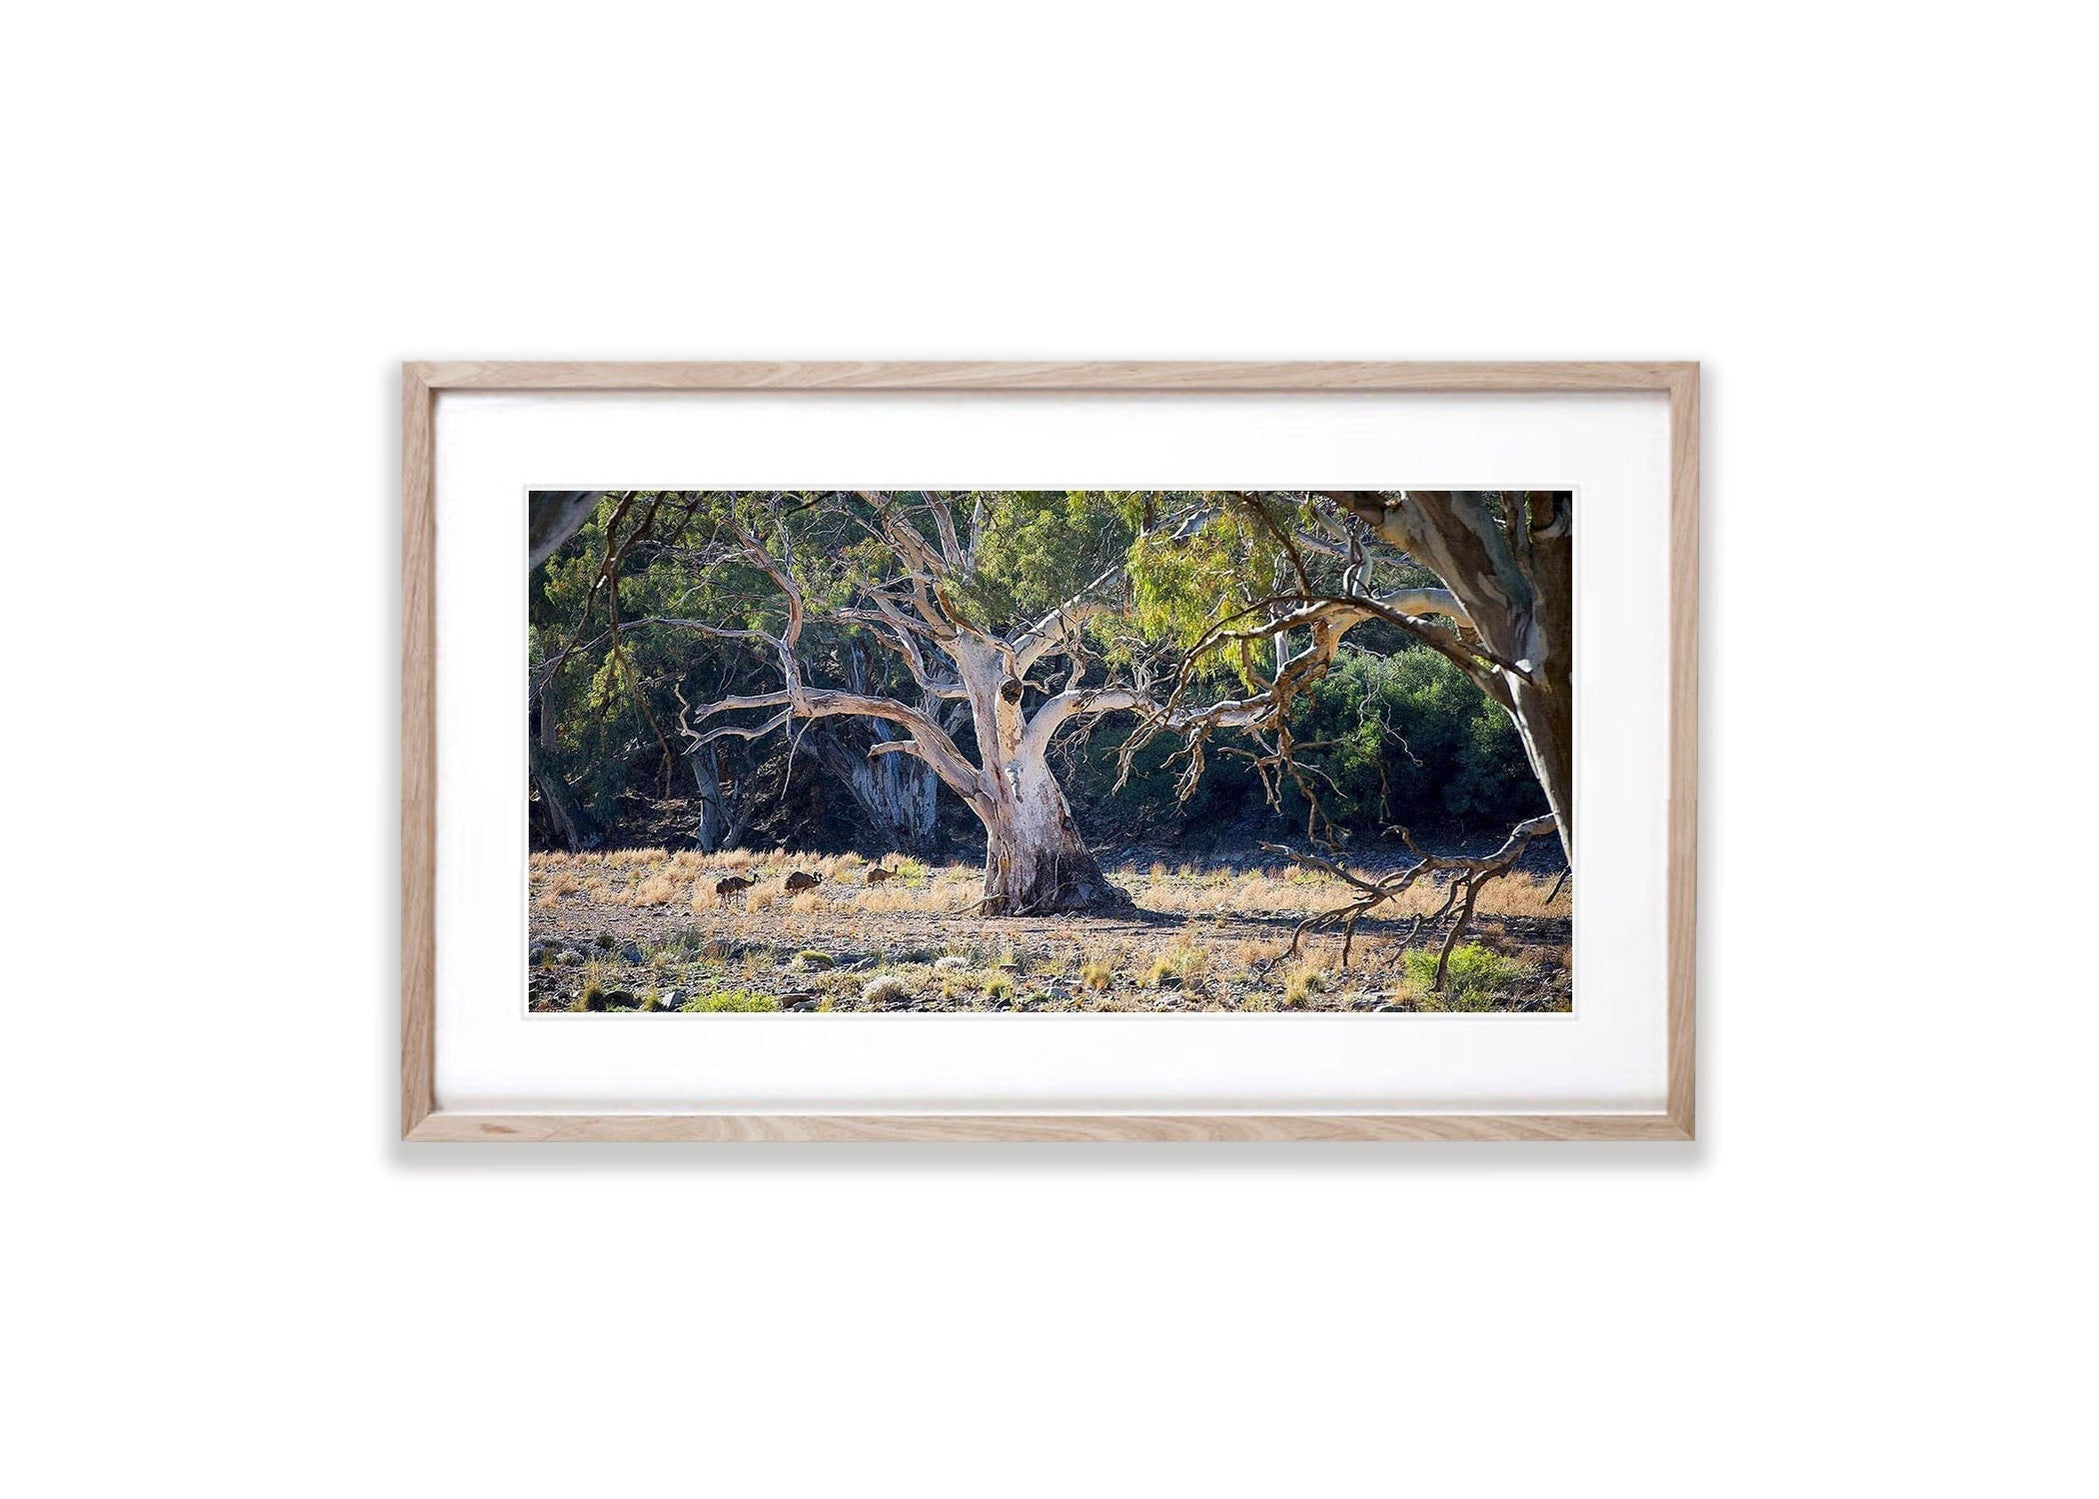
x: 1035, y: 862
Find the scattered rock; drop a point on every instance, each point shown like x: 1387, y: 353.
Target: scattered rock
x: 802, y: 1000
x: 632, y: 954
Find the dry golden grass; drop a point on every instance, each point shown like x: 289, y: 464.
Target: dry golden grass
x: 1301, y: 893
x: 658, y: 889
x: 1224, y: 945
x: 634, y: 876
x: 1182, y: 959
x: 949, y: 891
x: 1305, y: 980
x: 1256, y: 953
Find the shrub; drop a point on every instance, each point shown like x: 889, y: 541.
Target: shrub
x: 730, y: 1001
x: 1476, y: 976
x: 998, y: 986
x: 883, y: 988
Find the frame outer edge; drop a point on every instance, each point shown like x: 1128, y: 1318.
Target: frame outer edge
x: 1683, y: 748
x: 421, y: 380
x: 418, y: 751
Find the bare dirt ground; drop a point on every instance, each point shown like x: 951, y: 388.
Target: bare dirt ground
x: 643, y: 930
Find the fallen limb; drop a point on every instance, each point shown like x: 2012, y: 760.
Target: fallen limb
x: 1468, y: 877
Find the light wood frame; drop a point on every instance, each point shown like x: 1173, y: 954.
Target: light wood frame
x: 420, y: 385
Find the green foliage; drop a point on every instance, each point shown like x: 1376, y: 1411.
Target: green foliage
x: 1475, y: 979
x: 730, y: 1001
x: 1408, y: 738
x: 1037, y: 548
x: 1403, y: 734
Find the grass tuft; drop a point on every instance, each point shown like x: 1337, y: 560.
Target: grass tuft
x: 1303, y: 981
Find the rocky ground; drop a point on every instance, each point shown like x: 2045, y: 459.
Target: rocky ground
x: 643, y: 931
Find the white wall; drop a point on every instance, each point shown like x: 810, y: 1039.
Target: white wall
x: 228, y: 225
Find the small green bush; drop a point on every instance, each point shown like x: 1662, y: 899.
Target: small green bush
x: 730, y: 1001
x: 1475, y: 979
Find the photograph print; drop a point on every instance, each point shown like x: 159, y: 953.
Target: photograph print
x: 1050, y: 752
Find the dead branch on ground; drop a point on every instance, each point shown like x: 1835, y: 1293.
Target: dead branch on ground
x: 1468, y: 876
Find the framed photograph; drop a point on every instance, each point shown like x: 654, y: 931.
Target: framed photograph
x: 1138, y: 751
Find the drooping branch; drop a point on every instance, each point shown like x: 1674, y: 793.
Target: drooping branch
x: 1468, y: 876
x: 1504, y: 617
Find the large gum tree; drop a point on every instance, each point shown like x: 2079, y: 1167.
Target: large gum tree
x: 985, y: 602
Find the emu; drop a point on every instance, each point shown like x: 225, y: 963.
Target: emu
x: 726, y: 887
x: 801, y: 879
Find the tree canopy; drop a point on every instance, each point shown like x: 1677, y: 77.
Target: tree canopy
x: 1120, y: 624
